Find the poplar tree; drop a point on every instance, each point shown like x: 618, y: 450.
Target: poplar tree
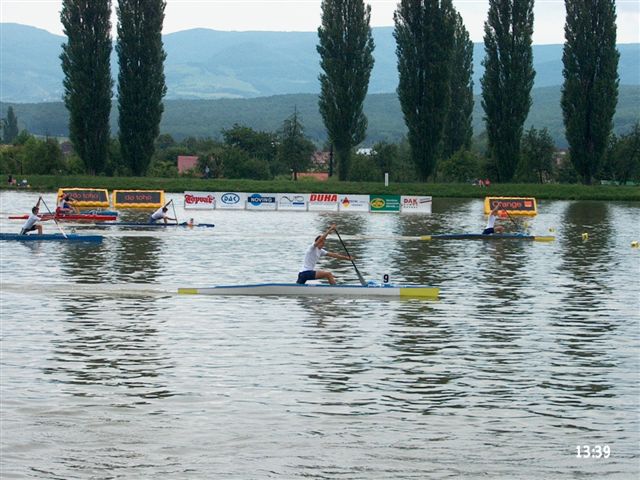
x: 346, y: 58
x: 590, y: 89
x: 424, y: 39
x: 141, y: 82
x: 507, y: 80
x: 10, y: 126
x: 295, y: 149
x: 87, y: 78
x: 458, y: 129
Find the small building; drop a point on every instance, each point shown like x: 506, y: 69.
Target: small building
x: 320, y: 160
x: 187, y: 162
x: 321, y: 176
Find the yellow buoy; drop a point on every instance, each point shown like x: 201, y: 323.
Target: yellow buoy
x: 635, y: 244
x: 585, y: 236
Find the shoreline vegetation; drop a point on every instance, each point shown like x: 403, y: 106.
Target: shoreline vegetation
x: 454, y: 190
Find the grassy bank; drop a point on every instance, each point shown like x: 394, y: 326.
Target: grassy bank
x: 551, y: 191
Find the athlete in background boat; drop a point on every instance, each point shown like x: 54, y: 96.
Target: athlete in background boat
x: 160, y: 214
x: 491, y: 222
x: 32, y: 222
x: 65, y: 205
x: 311, y: 257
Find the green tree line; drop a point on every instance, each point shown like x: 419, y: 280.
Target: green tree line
x: 434, y: 92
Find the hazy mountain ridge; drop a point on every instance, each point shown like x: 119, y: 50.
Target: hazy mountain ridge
x: 206, y: 118
x: 208, y: 64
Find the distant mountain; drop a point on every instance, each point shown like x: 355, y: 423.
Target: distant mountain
x: 206, y: 118
x: 209, y: 64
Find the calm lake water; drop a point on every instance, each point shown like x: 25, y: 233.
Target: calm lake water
x: 531, y: 351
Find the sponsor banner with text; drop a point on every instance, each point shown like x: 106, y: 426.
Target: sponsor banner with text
x: 86, y: 197
x: 138, y: 198
x: 415, y: 204
x: 353, y: 203
x: 384, y: 203
x: 323, y: 202
x: 292, y: 201
x: 199, y: 200
x: 262, y: 201
x: 230, y: 200
x: 513, y: 205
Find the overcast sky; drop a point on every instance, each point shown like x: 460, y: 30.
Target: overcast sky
x: 304, y: 15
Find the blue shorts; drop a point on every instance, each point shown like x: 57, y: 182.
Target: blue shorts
x: 306, y: 275
x: 488, y: 231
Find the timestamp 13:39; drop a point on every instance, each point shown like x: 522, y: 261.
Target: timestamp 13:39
x: 593, y: 451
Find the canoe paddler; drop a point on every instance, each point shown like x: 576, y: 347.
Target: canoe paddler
x: 491, y: 227
x: 311, y: 257
x: 32, y: 222
x: 65, y: 205
x: 160, y: 214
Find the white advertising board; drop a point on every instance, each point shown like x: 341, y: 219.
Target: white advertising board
x: 323, y: 202
x: 230, y: 200
x: 262, y: 201
x: 415, y: 204
x: 293, y: 201
x: 199, y: 200
x: 353, y: 203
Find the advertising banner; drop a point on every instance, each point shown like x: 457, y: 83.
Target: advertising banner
x: 353, y: 203
x: 230, y: 200
x: 323, y: 202
x: 384, y: 203
x: 513, y: 205
x: 293, y: 201
x: 262, y: 201
x: 86, y: 197
x: 199, y: 200
x: 138, y: 198
x: 415, y: 204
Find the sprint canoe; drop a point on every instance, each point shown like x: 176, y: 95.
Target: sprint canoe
x: 154, y: 225
x: 71, y: 217
x: 34, y: 237
x: 495, y: 236
x: 372, y: 290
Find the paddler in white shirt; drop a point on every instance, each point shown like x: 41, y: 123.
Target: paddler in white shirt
x: 65, y: 205
x: 160, y: 214
x: 491, y: 227
x: 32, y: 223
x: 311, y: 257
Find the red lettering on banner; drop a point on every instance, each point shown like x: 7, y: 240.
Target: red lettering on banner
x: 323, y: 197
x: 410, y: 202
x: 195, y: 199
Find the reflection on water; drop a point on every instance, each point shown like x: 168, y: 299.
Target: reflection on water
x: 531, y: 350
x: 114, y: 350
x: 137, y: 259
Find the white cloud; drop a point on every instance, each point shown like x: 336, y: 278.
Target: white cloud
x: 304, y: 15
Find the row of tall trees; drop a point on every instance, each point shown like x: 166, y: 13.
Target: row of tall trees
x: 88, y: 84
x: 435, y: 64
x: 435, y: 88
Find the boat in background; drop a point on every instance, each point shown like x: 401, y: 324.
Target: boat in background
x: 385, y: 290
x: 72, y: 217
x: 493, y: 236
x: 154, y: 225
x: 70, y: 237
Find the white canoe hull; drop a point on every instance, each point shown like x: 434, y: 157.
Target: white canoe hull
x: 377, y: 290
